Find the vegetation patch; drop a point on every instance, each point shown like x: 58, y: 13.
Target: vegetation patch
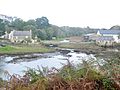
x: 70, y: 77
x: 22, y: 49
x: 7, y: 48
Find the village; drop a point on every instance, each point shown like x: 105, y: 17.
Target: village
x: 59, y: 45
x: 23, y: 48
x: 101, y: 38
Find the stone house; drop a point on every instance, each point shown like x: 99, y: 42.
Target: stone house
x: 18, y: 36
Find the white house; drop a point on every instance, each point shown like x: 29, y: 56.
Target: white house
x: 110, y: 33
x: 18, y: 36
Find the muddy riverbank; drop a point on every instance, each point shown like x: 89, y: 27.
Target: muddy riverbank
x: 19, y: 63
x: 101, y: 52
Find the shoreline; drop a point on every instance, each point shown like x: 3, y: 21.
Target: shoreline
x: 24, y: 49
x: 101, y: 53
x: 64, y: 48
x: 24, y: 53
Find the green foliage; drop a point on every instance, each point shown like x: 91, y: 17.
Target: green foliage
x: 1, y: 82
x: 2, y: 27
x: 18, y: 24
x: 24, y: 48
x: 37, y: 74
x: 68, y: 73
x: 42, y: 22
x: 41, y: 34
x: 7, y: 48
x: 107, y: 84
x: 29, y: 27
x: 33, y: 75
x: 42, y: 28
x: 31, y: 22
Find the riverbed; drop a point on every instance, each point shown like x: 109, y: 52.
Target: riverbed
x: 56, y: 59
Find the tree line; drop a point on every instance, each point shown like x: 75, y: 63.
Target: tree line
x: 42, y: 28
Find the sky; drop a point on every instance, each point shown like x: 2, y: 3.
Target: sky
x: 74, y: 13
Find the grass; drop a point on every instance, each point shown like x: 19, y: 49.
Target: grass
x: 72, y: 45
x: 6, y: 48
x: 21, y: 49
x: 81, y: 45
x: 51, y: 41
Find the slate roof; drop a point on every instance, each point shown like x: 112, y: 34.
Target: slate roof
x: 21, y: 33
x: 105, y: 38
x: 109, y: 31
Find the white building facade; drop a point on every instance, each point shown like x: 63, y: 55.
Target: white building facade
x: 110, y: 33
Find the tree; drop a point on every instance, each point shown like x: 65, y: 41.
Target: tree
x: 29, y: 27
x: 49, y: 32
x: 41, y: 34
x: 116, y: 27
x: 2, y: 27
x: 31, y: 22
x: 18, y: 24
x: 42, y: 22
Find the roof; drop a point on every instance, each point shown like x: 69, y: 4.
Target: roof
x: 21, y: 33
x: 105, y: 38
x: 109, y: 31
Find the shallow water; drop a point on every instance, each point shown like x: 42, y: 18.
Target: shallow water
x: 53, y: 60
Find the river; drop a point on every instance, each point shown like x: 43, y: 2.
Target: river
x: 56, y: 59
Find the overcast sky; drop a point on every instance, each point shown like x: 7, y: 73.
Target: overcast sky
x: 79, y: 13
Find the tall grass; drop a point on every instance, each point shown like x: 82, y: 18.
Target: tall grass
x: 70, y: 77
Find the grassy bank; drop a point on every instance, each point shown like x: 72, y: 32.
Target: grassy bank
x: 22, y: 49
x: 80, y: 45
x: 73, y: 45
x: 83, y: 47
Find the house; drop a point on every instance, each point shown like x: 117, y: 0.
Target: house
x: 104, y: 37
x: 110, y: 33
x: 18, y: 36
x: 105, y: 41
